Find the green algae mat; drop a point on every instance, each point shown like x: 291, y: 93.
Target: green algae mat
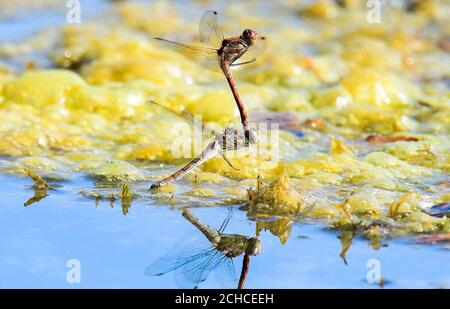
x: 362, y: 114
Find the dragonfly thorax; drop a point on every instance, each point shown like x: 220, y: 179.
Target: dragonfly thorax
x: 232, y: 245
x: 235, y: 245
x: 232, y: 49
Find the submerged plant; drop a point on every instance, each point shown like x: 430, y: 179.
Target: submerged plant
x: 126, y: 196
x: 40, y: 188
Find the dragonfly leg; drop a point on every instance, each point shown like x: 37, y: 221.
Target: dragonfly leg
x: 242, y: 63
x: 228, y: 161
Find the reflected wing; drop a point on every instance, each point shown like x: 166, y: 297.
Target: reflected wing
x: 189, y: 248
x: 253, y: 52
x: 208, y: 29
x: 226, y: 274
x: 191, y: 274
x: 205, y: 55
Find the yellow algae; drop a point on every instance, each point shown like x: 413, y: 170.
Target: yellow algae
x: 419, y: 153
x: 337, y: 147
x: 443, y: 199
x: 339, y: 77
x: 216, y: 106
x: 322, y: 9
x: 321, y: 66
x: 363, y: 204
x: 200, y: 192
x: 369, y: 118
x: 157, y: 18
x: 41, y: 88
x: 88, y: 164
x: 419, y: 222
x: 404, y: 206
x: 379, y: 88
x: 291, y: 74
x: 319, y: 162
x: 336, y: 97
x: 321, y: 177
x: 116, y: 170
x: 322, y: 211
x: 277, y: 198
x: 294, y: 170
x: 370, y: 52
x: 281, y: 228
x: 290, y: 101
x: 145, y: 152
x: 206, y: 177
x: 395, y: 165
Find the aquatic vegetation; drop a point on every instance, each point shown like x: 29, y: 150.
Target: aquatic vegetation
x: 116, y: 170
x: 126, y: 196
x: 40, y: 188
x: 277, y: 198
x: 363, y: 111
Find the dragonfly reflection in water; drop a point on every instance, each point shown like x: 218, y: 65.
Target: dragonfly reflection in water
x: 195, y: 256
x: 224, y: 54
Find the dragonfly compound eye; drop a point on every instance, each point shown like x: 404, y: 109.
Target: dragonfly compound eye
x: 250, y: 36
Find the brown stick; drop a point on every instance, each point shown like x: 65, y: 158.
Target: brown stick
x: 244, y: 271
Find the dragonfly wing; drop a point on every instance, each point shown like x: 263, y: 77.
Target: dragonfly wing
x: 208, y: 29
x: 253, y: 52
x: 186, y: 117
x: 187, y: 249
x: 190, y: 275
x: 226, y: 274
x: 204, y: 55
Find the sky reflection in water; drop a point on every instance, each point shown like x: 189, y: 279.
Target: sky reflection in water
x: 114, y: 250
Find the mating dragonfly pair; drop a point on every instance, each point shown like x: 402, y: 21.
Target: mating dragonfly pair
x: 224, y: 55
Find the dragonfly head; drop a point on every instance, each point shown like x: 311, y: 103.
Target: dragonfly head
x: 249, y: 36
x: 253, y: 246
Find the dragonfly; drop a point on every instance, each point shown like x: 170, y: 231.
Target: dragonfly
x: 195, y: 256
x: 224, y: 54
x: 230, y: 139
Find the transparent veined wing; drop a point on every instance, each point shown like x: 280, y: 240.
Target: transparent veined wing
x: 226, y: 274
x: 209, y: 31
x: 186, y: 48
x: 187, y: 249
x: 253, y: 52
x: 192, y: 259
x: 191, y: 274
x: 186, y: 117
x: 207, y: 56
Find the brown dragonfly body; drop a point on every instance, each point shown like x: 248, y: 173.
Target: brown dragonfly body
x: 231, y: 139
x: 230, y: 50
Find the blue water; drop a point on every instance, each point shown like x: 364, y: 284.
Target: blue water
x: 114, y: 250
